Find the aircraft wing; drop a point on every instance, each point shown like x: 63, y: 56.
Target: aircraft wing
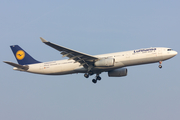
x: 82, y: 58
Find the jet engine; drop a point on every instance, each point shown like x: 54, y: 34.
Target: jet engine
x: 105, y: 62
x: 118, y: 72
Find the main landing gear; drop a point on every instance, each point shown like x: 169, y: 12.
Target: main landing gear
x: 97, y: 78
x: 160, y: 66
x: 86, y: 75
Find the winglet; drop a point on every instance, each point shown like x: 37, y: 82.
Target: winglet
x: 43, y: 40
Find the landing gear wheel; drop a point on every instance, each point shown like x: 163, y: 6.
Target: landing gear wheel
x: 160, y: 62
x: 94, y: 81
x: 160, y: 66
x: 90, y: 73
x: 98, y: 78
x: 86, y: 75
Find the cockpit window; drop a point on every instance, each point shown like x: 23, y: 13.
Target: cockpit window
x: 169, y: 49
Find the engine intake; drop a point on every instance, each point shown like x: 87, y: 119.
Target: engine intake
x: 118, y: 72
x: 105, y: 62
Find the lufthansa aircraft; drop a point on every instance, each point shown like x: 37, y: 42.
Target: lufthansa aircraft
x: 113, y: 63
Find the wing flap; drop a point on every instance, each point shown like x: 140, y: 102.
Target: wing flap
x: 71, y: 54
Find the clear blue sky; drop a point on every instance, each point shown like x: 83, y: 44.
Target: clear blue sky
x: 94, y: 27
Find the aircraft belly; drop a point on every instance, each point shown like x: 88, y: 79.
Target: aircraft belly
x: 62, y: 69
x: 80, y: 70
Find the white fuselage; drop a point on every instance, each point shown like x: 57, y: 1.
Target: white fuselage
x: 122, y: 59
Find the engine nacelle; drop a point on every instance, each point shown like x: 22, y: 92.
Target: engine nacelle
x: 105, y: 62
x: 118, y: 72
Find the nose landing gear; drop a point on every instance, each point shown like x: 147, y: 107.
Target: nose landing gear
x: 160, y: 66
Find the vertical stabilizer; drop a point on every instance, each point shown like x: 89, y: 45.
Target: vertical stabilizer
x: 22, y: 56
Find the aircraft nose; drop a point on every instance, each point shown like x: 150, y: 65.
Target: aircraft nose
x: 175, y: 53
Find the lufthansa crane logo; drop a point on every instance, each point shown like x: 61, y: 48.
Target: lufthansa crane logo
x: 20, y: 55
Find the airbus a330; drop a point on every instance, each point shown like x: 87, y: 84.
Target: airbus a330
x: 114, y: 63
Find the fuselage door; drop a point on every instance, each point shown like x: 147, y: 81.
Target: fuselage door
x: 159, y: 51
x: 41, y: 67
x: 127, y: 55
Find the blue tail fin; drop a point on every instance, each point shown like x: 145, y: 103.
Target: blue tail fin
x: 22, y: 56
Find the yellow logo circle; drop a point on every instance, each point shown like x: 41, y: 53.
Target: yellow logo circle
x: 20, y: 55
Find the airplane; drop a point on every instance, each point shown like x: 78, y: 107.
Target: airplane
x: 114, y: 63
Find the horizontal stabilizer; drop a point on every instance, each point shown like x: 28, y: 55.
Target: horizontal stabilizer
x: 24, y: 67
